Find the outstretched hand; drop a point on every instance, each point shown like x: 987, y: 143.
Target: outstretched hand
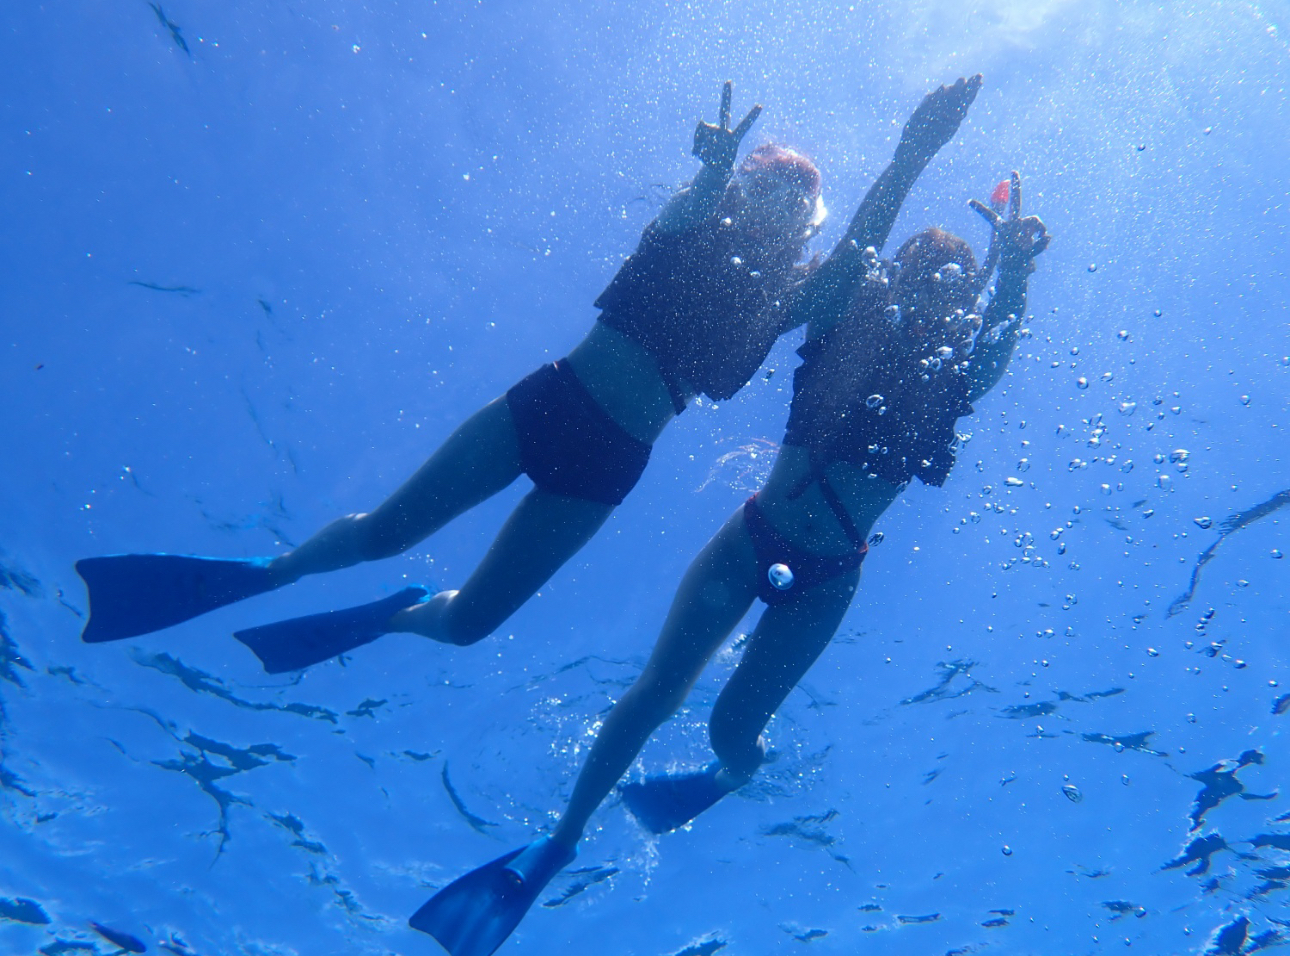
x: 1017, y: 241
x: 716, y: 145
x: 937, y: 119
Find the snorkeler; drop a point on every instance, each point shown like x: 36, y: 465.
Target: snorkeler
x: 883, y: 380
x: 694, y: 310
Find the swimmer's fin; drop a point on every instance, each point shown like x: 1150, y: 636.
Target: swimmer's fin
x: 664, y: 802
x: 133, y: 594
x: 474, y: 915
x: 303, y: 641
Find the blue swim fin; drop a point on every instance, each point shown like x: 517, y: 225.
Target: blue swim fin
x: 664, y: 802
x: 133, y: 594
x: 301, y: 642
x: 474, y: 915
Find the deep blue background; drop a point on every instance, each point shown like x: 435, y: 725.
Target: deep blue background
x: 376, y: 219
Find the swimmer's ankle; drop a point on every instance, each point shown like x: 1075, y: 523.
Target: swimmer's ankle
x: 282, y: 571
x: 429, y: 618
x: 730, y: 781
x: 563, y: 835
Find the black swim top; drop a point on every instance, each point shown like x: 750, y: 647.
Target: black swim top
x: 705, y: 303
x: 868, y: 395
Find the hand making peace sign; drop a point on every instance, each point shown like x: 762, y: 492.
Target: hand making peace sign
x: 1017, y: 240
x: 717, y: 145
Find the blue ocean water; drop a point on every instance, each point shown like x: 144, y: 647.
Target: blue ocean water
x: 261, y: 258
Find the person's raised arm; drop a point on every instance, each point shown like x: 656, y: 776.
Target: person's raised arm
x: 716, y: 145
x: 1017, y: 242
x: 825, y: 296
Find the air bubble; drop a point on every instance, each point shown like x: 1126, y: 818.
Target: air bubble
x: 780, y: 576
x: 1204, y: 522
x: 1081, y: 382
x: 1122, y: 335
x: 1072, y: 793
x: 1106, y: 489
x: 1128, y: 408
x: 1164, y: 482
x: 1023, y: 464
x: 736, y: 261
x: 1245, y: 400
x: 1276, y: 553
x: 1152, y: 652
x: 873, y: 401
x: 1179, y: 454
x: 1012, y: 482
x: 1092, y: 267
x: 1107, y: 376
x: 1007, y: 850
x: 1127, y: 466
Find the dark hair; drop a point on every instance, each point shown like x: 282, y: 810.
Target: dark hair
x: 786, y: 163
x: 926, y: 253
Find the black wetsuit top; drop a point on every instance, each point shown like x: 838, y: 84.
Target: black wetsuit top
x: 865, y: 394
x: 704, y: 303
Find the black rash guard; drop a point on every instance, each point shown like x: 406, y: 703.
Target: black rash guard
x: 703, y: 302
x: 868, y: 395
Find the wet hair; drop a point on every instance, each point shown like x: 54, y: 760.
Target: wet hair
x: 925, y: 253
x: 927, y: 263
x: 788, y: 164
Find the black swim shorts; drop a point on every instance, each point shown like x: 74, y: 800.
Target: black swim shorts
x: 568, y: 444
x: 808, y: 569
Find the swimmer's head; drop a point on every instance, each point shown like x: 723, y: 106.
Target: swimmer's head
x: 935, y: 285
x: 781, y: 189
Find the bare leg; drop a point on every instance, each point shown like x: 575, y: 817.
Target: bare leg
x: 714, y: 595
x: 478, y: 460
x: 781, y: 649
x: 541, y: 535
